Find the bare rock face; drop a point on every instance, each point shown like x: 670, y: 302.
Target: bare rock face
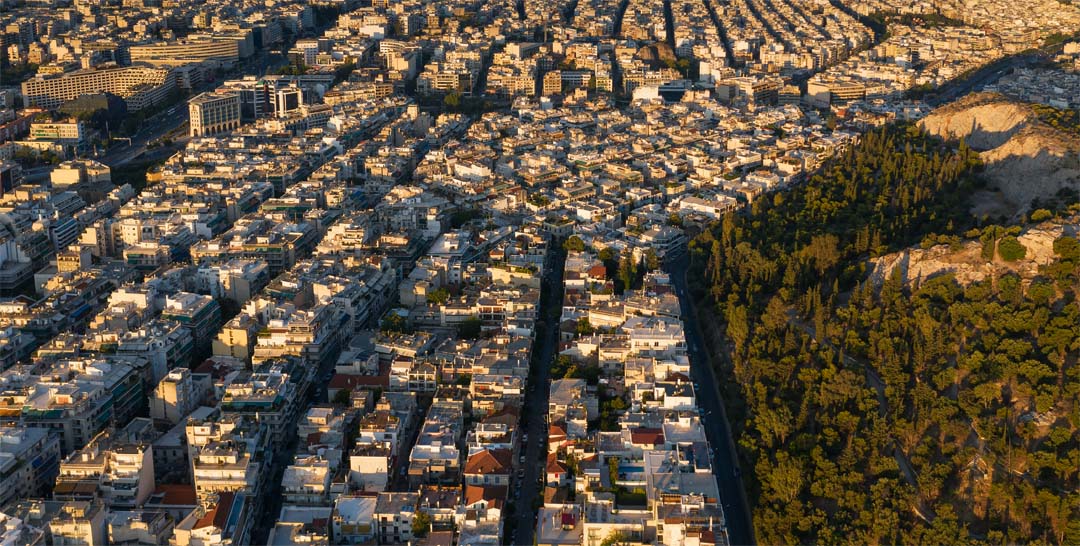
x: 1025, y: 158
x: 656, y: 54
x: 966, y: 263
x: 986, y: 121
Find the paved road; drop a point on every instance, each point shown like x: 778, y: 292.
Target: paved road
x: 536, y: 401
x: 725, y: 461
x: 174, y: 118
x: 980, y: 78
x: 990, y: 73
x: 152, y: 130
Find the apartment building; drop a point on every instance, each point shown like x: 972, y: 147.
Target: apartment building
x: 199, y: 314
x: 270, y: 397
x: 80, y: 408
x: 353, y: 519
x: 117, y: 466
x: 29, y: 459
x: 394, y: 514
x: 435, y: 458
x: 80, y: 523
x: 227, y: 453
x: 178, y: 394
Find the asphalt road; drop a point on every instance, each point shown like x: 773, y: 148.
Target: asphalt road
x: 174, y: 118
x: 732, y: 494
x: 982, y: 77
x: 153, y: 129
x: 536, y: 400
x: 990, y: 73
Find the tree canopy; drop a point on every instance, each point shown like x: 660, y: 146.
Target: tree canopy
x: 893, y: 411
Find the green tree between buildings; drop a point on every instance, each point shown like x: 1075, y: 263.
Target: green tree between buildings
x: 439, y: 296
x: 342, y: 397
x: 421, y: 524
x: 394, y: 323
x: 574, y: 244
x: 470, y: 328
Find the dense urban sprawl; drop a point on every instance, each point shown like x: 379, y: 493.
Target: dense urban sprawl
x: 412, y: 272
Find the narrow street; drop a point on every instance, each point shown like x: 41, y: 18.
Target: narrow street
x: 724, y: 41
x: 669, y: 26
x: 527, y: 490
x: 717, y: 430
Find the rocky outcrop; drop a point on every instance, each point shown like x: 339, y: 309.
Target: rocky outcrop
x: 966, y: 262
x: 1025, y: 158
x: 985, y: 120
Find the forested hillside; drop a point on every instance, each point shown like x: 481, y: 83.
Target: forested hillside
x: 928, y: 414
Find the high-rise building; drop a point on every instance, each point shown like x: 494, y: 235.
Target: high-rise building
x: 287, y: 99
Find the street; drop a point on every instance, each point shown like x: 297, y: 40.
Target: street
x: 152, y: 130
x: 176, y: 116
x: 725, y: 462
x: 990, y: 73
x: 536, y: 400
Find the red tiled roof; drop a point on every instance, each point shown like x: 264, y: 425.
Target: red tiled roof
x: 219, y: 514
x: 177, y: 494
x: 647, y: 436
x: 493, y: 494
x: 489, y: 461
x: 556, y: 432
x: 554, y: 466
x: 508, y: 414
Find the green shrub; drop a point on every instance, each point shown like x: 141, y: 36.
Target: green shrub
x: 1011, y: 250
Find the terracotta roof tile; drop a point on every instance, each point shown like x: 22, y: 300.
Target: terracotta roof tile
x: 489, y: 461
